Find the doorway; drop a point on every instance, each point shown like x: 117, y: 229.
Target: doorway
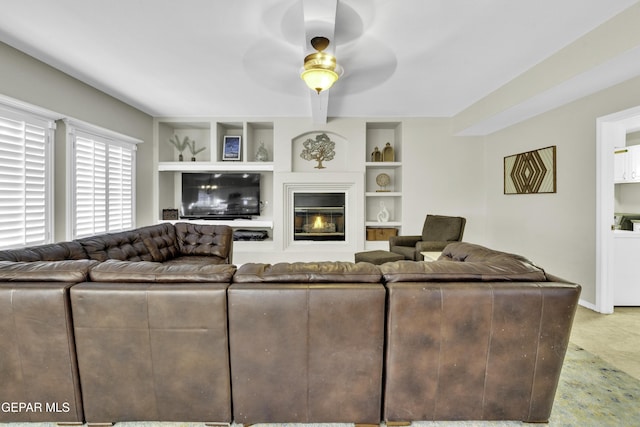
x: 611, y: 132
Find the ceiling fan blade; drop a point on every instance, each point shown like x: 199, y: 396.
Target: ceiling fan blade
x: 367, y: 63
x: 275, y: 65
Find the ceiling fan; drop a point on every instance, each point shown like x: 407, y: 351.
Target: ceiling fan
x: 327, y: 26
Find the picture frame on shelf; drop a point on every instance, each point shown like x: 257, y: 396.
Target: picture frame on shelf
x: 169, y: 214
x: 232, y: 148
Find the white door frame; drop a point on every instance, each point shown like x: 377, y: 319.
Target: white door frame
x: 611, y: 132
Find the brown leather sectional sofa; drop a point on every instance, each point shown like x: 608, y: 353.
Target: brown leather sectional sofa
x: 156, y: 324
x: 41, y: 333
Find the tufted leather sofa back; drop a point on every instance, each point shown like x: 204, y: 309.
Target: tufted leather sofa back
x: 207, y: 240
x: 157, y: 243
x: 160, y: 240
x: 123, y: 246
x: 51, y: 252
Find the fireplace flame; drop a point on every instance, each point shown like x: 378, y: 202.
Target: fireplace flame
x: 318, y: 223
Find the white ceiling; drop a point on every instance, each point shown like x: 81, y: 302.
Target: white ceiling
x: 402, y: 58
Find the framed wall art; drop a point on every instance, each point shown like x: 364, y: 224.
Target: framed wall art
x: 231, y: 148
x: 532, y: 172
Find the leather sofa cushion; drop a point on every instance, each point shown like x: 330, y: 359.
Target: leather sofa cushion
x: 143, y: 271
x: 308, y: 272
x: 49, y: 252
x: 507, y: 269
x: 72, y: 271
x: 124, y: 246
x: 161, y: 241
x: 198, y: 239
x: 470, y: 252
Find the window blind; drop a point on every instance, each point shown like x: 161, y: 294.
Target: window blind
x: 104, y: 185
x: 25, y: 179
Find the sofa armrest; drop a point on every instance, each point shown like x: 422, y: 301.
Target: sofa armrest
x: 404, y: 241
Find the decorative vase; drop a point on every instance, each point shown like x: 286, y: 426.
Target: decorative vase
x: 262, y: 155
x: 376, y: 156
x: 387, y: 153
x: 180, y: 157
x: 193, y: 159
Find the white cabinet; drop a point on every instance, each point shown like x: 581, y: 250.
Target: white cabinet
x: 633, y: 163
x: 620, y: 156
x: 627, y: 164
x: 626, y: 283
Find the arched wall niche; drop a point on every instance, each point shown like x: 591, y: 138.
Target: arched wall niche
x: 339, y: 162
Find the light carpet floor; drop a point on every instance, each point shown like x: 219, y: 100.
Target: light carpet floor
x: 591, y: 393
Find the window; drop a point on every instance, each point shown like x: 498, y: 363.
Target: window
x: 102, y: 181
x: 26, y: 178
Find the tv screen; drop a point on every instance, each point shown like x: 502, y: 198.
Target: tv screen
x: 220, y: 195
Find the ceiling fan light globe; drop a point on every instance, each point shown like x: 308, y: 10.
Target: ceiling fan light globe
x: 319, y: 79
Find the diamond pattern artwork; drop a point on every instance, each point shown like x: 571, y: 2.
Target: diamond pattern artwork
x: 531, y: 172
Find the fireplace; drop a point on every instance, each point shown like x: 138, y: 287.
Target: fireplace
x: 319, y: 216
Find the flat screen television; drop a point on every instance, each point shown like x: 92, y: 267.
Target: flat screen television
x: 218, y: 195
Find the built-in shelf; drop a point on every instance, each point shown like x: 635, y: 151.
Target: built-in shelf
x: 383, y: 224
x: 383, y: 194
x: 383, y: 165
x: 378, y: 136
x: 215, y: 166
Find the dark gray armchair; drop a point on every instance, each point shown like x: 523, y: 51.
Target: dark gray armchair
x: 438, y: 231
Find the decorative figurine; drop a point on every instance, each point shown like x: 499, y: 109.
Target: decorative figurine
x: 262, y: 155
x: 383, y: 180
x: 383, y: 215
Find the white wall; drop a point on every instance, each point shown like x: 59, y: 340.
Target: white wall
x: 557, y: 230
x: 29, y: 80
x: 443, y: 175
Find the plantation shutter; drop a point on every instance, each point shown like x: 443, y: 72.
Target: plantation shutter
x: 91, y: 187
x: 104, y: 181
x: 120, y: 188
x: 25, y: 179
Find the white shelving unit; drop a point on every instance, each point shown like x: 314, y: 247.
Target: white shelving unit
x: 378, y: 134
x: 210, y: 133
